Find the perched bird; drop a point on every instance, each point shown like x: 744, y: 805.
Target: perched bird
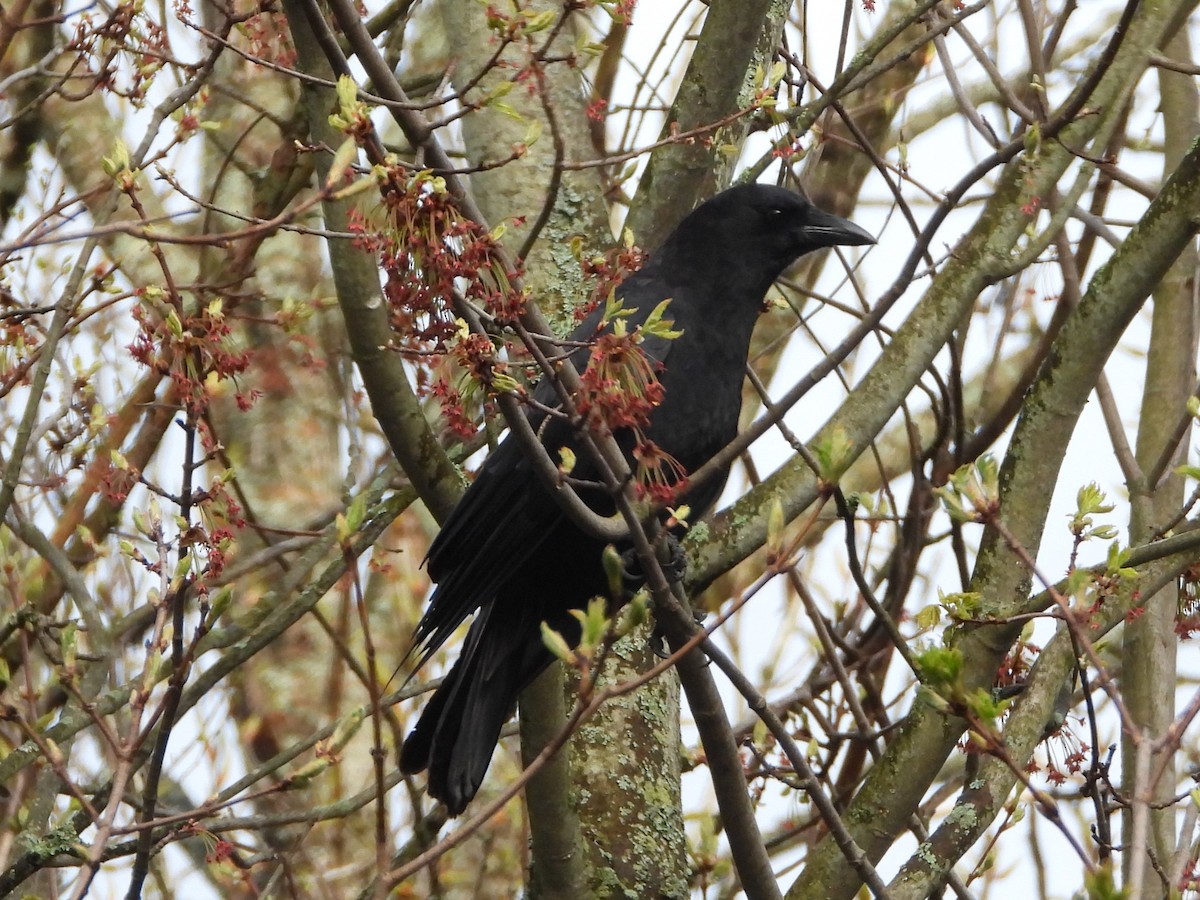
x: 509, y: 552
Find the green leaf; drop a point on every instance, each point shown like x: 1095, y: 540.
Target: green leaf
x: 1192, y: 472
x: 1033, y: 139
x: 503, y: 106
x: 347, y: 94
x: 503, y: 383
x: 679, y: 515
x: 218, y: 602
x: 119, y: 162
x: 973, y: 491
x: 536, y: 22
x: 345, y: 156
x: 68, y: 643
x: 657, y: 326
x: 1100, y: 884
x: 346, y: 729
x: 833, y: 454
x: 533, y: 131
x: 961, y: 604
x: 775, y: 526
x: 502, y: 89
x: 941, y: 668
x: 929, y: 617
x: 775, y: 74
x: 594, y: 622
x: 1090, y: 499
x: 633, y: 614
x: 614, y: 570
x: 356, y: 513
x: 1115, y: 563
x: 558, y: 645
x: 985, y: 705
x: 614, y: 309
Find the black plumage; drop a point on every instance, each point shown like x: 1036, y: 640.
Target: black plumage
x: 510, y: 553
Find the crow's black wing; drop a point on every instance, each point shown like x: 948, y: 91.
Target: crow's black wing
x: 506, y: 516
x: 501, y: 521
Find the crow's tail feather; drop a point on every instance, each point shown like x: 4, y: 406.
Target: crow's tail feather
x: 460, y: 726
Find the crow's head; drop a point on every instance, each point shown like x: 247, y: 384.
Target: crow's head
x: 754, y: 232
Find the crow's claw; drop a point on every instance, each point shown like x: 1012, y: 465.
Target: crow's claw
x: 674, y: 568
x: 676, y: 565
x: 658, y: 643
x: 631, y: 567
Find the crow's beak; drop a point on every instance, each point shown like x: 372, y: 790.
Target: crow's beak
x: 827, y: 230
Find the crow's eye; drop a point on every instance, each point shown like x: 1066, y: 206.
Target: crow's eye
x: 774, y: 212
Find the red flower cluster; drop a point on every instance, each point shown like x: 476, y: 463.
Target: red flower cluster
x: 188, y: 349
x: 622, y: 10
x: 596, y: 109
x: 619, y: 388
x: 428, y: 251
x: 606, y: 272
x: 454, y: 409
x: 659, y: 475
x: 123, y: 52
x: 270, y: 38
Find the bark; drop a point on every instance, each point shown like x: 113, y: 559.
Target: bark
x: 1148, y: 678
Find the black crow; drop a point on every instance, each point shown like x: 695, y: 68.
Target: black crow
x: 509, y: 552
